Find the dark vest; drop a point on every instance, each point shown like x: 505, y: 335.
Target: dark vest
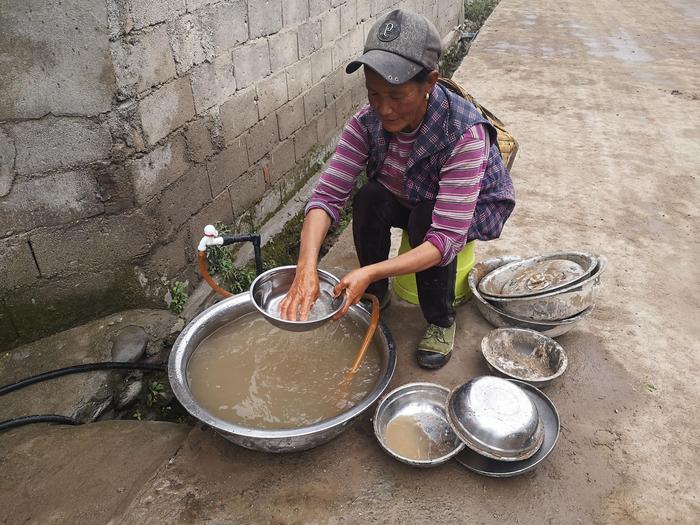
x: 448, y: 117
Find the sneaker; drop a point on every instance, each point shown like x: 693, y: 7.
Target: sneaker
x: 384, y: 303
x: 435, y: 349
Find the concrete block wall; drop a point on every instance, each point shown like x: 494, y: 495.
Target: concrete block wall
x: 126, y: 125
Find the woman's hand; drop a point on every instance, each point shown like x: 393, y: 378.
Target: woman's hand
x: 354, y: 283
x: 301, y: 296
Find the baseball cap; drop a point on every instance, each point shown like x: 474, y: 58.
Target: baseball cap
x: 399, y: 45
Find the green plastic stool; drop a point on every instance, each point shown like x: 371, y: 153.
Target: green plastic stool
x: 405, y: 285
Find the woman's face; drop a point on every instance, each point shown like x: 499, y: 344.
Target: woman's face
x: 399, y: 107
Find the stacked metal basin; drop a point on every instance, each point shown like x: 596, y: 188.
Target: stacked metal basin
x: 510, y: 292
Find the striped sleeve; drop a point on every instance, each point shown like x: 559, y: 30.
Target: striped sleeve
x: 349, y: 159
x: 460, y: 182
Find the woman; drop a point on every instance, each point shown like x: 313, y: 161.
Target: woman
x: 433, y: 169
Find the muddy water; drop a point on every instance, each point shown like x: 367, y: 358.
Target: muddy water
x: 407, y: 437
x: 251, y: 373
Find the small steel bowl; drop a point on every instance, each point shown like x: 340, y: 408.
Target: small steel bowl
x: 525, y: 355
x: 269, y: 289
x: 418, y: 410
x: 495, y: 418
x: 501, y: 319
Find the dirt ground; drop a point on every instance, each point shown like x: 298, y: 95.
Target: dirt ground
x: 604, y: 99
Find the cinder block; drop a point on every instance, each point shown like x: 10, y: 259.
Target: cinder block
x: 251, y: 62
x: 344, y: 108
x: 264, y: 17
x: 100, y: 243
x: 348, y: 47
x: 159, y: 168
x: 330, y: 26
x: 57, y: 198
x: 7, y: 163
x: 55, y: 59
x: 247, y: 190
x: 181, y: 200
x: 335, y: 84
x: 17, y: 263
x: 326, y: 124
x: 213, y: 83
x: 53, y: 143
x: 299, y: 78
x: 196, y: 4
x: 359, y: 95
x: 199, y: 142
x: 282, y: 160
x: 316, y: 7
x: 290, y: 117
x: 272, y: 93
x: 149, y: 12
x: 115, y: 188
x: 188, y: 41
x: 321, y: 64
x: 305, y: 140
x: 218, y: 210
x: 314, y: 102
x: 227, y: 23
x: 348, y: 16
x: 58, y: 304
x: 364, y: 10
x: 284, y: 49
x: 227, y: 166
x: 262, y: 138
x: 239, y: 113
x: 309, y: 37
x: 143, y: 60
x: 380, y: 6
x: 295, y: 11
x: 8, y: 333
x: 166, y: 109
x: 170, y: 258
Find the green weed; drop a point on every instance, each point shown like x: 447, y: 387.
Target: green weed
x: 178, y: 296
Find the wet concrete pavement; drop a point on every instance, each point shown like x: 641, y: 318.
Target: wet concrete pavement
x: 605, y: 103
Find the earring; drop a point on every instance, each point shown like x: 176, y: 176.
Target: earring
x: 427, y: 96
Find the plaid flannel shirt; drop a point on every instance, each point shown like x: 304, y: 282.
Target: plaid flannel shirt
x: 447, y: 119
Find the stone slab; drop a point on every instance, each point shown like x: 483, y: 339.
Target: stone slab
x: 84, y: 474
x: 78, y: 395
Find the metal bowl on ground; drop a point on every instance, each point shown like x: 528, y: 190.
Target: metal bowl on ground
x: 538, y: 275
x: 269, y: 289
x: 501, y: 319
x: 524, y: 354
x: 411, y: 425
x: 269, y: 440
x: 496, y: 418
x: 559, y: 304
x: 503, y: 469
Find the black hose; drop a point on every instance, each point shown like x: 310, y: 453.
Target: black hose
x: 28, y: 420
x: 88, y: 367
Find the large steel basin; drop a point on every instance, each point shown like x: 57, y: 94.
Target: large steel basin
x: 269, y: 440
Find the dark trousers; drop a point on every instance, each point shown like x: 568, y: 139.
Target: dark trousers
x: 375, y: 211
